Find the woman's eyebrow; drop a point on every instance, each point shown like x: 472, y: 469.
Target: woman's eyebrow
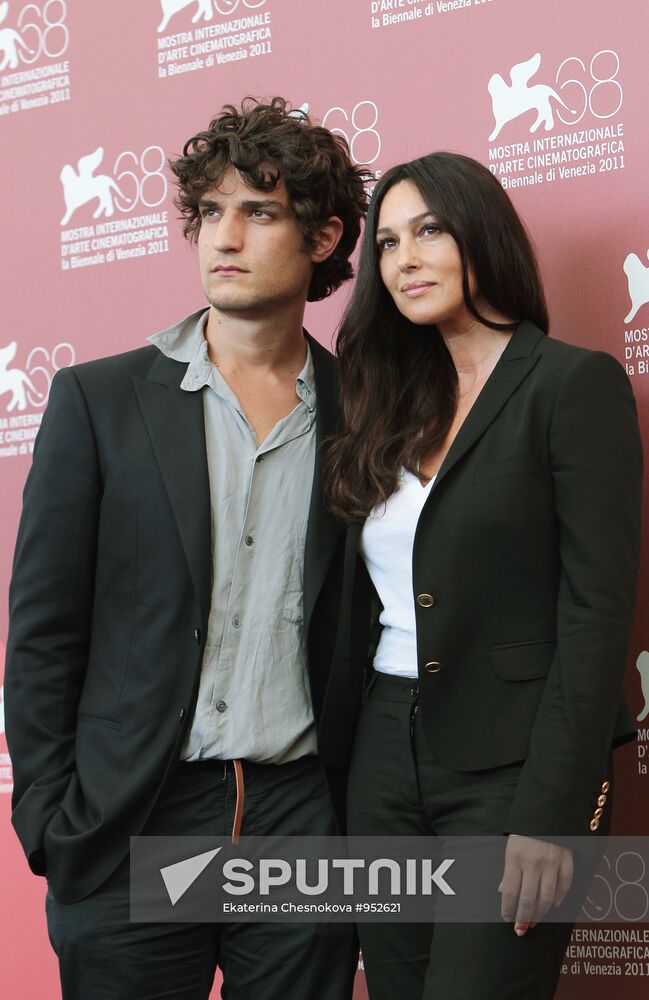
x: 411, y: 222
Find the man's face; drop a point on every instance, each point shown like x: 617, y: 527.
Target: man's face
x: 252, y: 253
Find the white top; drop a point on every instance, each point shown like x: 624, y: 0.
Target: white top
x: 386, y: 546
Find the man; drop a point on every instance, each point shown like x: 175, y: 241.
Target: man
x: 171, y: 619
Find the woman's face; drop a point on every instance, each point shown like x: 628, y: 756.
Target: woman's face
x: 420, y: 265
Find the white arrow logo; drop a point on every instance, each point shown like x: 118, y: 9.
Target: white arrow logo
x: 180, y: 876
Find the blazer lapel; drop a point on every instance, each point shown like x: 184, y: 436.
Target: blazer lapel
x: 174, y: 421
x: 515, y: 363
x: 323, y: 531
x: 346, y: 620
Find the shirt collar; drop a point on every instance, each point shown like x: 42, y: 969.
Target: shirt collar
x: 185, y: 342
x: 181, y: 342
x: 305, y: 382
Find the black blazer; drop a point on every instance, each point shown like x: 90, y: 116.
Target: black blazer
x: 528, y: 546
x: 110, y: 599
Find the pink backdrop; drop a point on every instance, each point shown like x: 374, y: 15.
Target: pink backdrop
x: 95, y: 96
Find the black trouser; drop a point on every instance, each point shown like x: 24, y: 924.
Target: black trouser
x: 102, y: 956
x: 397, y: 787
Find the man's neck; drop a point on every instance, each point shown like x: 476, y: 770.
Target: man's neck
x: 270, y: 344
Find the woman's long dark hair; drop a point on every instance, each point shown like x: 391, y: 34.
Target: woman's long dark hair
x: 398, y: 381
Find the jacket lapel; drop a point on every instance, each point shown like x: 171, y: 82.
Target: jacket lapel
x: 175, y: 424
x: 515, y: 363
x: 346, y: 620
x: 323, y: 531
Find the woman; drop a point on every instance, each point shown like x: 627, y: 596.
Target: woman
x: 491, y: 480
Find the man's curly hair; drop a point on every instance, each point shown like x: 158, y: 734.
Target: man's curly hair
x: 267, y: 143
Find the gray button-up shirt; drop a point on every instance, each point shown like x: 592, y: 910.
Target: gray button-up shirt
x: 253, y: 698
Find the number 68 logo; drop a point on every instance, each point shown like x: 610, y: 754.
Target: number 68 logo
x: 602, y: 92
x: 620, y: 888
x: 363, y: 139
x: 42, y: 365
x: 43, y: 30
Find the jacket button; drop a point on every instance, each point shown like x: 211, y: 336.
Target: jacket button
x: 425, y: 600
x: 197, y: 634
x: 601, y: 800
x: 605, y: 786
x: 594, y: 823
x: 432, y: 667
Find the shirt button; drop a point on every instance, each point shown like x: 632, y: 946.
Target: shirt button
x: 236, y: 622
x: 249, y: 540
x: 221, y: 706
x: 425, y: 600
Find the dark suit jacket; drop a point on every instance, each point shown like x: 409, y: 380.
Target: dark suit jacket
x: 529, y: 546
x: 110, y: 599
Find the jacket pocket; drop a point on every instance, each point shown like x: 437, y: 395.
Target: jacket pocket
x: 523, y: 661
x: 514, y: 465
x: 96, y: 720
